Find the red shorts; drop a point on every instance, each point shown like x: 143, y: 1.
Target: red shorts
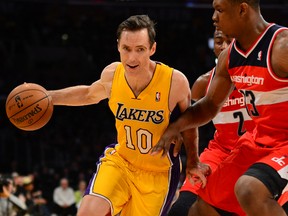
x: 212, y: 155
x: 219, y: 191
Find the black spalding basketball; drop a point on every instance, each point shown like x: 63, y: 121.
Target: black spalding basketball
x: 29, y: 107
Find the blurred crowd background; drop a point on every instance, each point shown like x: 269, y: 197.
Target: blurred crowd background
x: 59, y: 43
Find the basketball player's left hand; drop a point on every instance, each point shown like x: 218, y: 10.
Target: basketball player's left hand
x: 197, y: 173
x: 171, y: 135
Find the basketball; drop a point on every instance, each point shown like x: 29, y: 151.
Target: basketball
x: 29, y: 107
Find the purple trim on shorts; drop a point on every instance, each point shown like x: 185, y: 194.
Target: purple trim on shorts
x: 174, y: 180
x: 103, y: 154
x: 97, y: 165
x: 89, y: 185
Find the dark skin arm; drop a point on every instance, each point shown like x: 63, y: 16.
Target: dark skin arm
x: 190, y: 137
x: 193, y: 166
x: 190, y: 140
x: 198, y: 91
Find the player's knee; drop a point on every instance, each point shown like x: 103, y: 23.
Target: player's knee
x: 244, y: 190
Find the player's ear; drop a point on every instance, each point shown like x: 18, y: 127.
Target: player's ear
x: 153, y: 49
x: 118, y: 44
x: 243, y: 8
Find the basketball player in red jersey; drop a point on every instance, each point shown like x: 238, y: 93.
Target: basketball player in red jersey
x: 230, y: 123
x: 251, y: 179
x: 142, y: 93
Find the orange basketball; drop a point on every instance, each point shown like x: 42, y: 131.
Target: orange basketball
x: 29, y: 107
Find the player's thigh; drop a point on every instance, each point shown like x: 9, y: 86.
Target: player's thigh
x: 111, y: 183
x: 149, y: 194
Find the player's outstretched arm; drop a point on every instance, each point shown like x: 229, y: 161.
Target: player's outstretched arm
x: 86, y: 94
x: 195, y: 170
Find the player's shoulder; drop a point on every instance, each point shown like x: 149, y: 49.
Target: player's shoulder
x: 109, y: 70
x: 111, y: 67
x: 283, y: 33
x: 204, y: 77
x: 199, y: 87
x: 179, y: 83
x: 280, y: 54
x: 178, y: 76
x: 282, y: 39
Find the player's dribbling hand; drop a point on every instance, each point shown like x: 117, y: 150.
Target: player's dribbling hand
x: 198, y: 173
x: 171, y: 135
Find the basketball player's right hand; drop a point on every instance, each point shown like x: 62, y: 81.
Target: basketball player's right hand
x: 197, y: 173
x: 171, y: 135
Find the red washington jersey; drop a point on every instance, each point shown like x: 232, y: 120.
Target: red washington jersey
x: 265, y: 93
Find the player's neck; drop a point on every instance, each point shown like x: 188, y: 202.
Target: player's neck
x: 138, y: 82
x: 248, y: 39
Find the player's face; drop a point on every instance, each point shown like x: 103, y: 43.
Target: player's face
x: 135, y: 50
x: 221, y: 42
x: 225, y: 17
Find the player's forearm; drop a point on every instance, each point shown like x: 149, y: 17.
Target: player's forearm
x: 72, y: 96
x: 195, y: 116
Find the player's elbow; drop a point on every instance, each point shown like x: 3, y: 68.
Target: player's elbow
x: 92, y: 97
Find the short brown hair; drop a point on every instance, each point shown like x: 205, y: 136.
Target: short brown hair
x: 138, y: 22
